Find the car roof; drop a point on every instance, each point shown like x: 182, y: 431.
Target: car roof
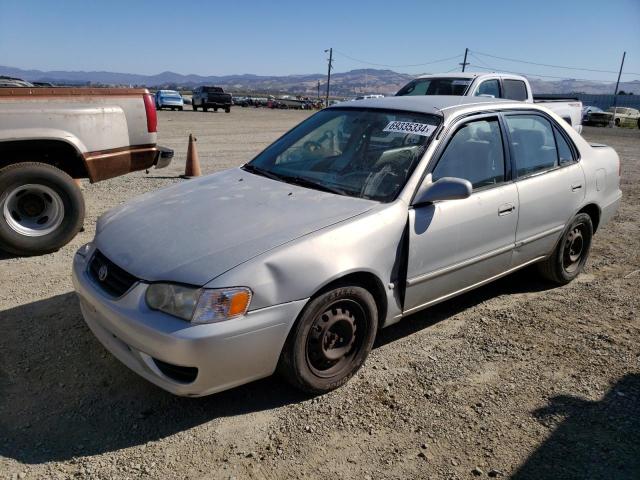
x: 442, y: 105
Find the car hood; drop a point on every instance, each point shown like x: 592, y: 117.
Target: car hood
x: 196, y: 230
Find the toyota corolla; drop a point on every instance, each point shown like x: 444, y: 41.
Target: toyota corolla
x: 364, y: 213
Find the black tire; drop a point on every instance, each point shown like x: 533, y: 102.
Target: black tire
x: 571, y: 253
x: 68, y: 197
x: 617, y: 122
x: 193, y: 106
x: 215, y: 109
x: 180, y: 108
x: 205, y: 108
x: 227, y: 110
x: 330, y: 340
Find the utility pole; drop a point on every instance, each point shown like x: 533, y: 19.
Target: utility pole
x: 464, y: 62
x: 329, y: 75
x: 318, y: 90
x: 615, y: 94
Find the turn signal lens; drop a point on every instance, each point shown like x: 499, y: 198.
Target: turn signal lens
x: 221, y: 304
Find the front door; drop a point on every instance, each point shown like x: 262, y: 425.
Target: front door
x: 456, y: 244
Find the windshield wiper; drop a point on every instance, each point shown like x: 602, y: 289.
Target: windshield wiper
x: 296, y: 180
x: 305, y: 182
x: 261, y: 171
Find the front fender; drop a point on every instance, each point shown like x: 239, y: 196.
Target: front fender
x: 368, y: 243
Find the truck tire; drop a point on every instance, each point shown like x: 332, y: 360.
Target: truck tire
x: 41, y: 208
x: 617, y: 122
x: 205, y: 108
x: 227, y: 110
x: 193, y: 106
x: 215, y: 109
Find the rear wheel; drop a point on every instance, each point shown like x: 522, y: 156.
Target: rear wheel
x: 331, y: 340
x: 227, y: 110
x: 571, y: 253
x: 41, y: 209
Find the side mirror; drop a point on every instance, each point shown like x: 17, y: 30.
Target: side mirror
x: 447, y: 188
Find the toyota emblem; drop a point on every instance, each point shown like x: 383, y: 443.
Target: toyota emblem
x: 102, y: 273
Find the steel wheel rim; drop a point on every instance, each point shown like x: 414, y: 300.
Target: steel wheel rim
x: 33, y: 210
x: 335, y: 338
x: 574, y: 247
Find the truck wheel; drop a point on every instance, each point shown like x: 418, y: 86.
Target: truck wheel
x: 227, y: 110
x: 215, y: 109
x: 41, y: 208
x: 331, y: 340
x: 204, y: 109
x: 568, y: 259
x: 193, y: 106
x: 617, y: 122
x: 180, y: 108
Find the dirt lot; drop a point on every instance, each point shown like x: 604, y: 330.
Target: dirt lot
x: 512, y: 380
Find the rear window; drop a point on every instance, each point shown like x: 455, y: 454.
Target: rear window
x: 435, y: 86
x: 213, y: 90
x: 514, y: 89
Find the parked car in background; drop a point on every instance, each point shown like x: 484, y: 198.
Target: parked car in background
x: 493, y: 85
x: 367, y: 97
x: 210, y: 97
x: 361, y: 215
x: 169, y: 99
x: 595, y: 116
x: 241, y: 101
x: 625, y: 117
x: 13, y: 82
x: 49, y: 137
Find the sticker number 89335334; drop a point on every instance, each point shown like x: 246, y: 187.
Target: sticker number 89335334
x: 423, y: 129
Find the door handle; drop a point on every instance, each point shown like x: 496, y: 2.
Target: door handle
x: 576, y: 187
x: 506, y: 209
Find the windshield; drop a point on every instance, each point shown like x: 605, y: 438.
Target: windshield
x: 365, y: 153
x: 435, y: 86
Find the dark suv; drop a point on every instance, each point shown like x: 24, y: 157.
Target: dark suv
x: 211, y: 97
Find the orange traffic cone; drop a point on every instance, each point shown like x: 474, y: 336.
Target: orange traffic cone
x: 192, y: 168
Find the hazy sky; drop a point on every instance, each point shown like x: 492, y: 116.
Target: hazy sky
x: 271, y: 37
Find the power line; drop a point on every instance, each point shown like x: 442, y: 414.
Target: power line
x: 550, y: 65
x: 395, y: 66
x: 539, y: 75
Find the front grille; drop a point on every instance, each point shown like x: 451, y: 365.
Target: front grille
x: 110, y: 277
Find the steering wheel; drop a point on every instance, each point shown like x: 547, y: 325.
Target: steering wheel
x: 311, y: 146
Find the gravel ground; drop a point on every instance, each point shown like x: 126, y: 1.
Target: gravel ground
x: 515, y: 379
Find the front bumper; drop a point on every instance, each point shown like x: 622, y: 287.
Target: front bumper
x: 225, y: 354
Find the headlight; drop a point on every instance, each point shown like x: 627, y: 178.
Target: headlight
x: 199, y: 305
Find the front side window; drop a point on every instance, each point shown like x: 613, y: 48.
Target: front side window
x: 490, y: 88
x: 475, y: 153
x: 359, y: 152
x: 435, y: 86
x: 533, y: 143
x: 514, y: 89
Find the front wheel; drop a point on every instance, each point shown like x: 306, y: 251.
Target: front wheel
x: 41, y: 209
x: 571, y: 253
x: 331, y: 340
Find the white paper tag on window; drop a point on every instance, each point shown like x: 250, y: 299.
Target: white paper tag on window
x: 423, y: 129
x: 460, y: 82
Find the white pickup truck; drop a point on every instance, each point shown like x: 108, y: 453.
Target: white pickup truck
x: 496, y: 85
x: 51, y: 136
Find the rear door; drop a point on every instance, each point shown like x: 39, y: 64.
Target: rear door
x: 455, y: 244
x: 549, y: 179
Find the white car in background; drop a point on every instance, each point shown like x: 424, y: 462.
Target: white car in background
x: 169, y: 99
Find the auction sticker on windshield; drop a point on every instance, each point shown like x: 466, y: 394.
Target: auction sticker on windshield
x: 423, y: 129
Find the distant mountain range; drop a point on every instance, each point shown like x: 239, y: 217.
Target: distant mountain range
x: 349, y: 83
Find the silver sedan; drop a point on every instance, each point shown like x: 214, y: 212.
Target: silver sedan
x: 364, y: 213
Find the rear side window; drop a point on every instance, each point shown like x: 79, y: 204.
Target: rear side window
x: 565, y: 154
x: 514, y: 89
x: 489, y: 87
x: 533, y: 143
x: 474, y: 153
